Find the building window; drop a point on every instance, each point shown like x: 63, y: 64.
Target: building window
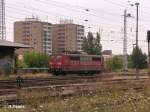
x: 26, y: 27
x: 61, y: 44
x: 25, y: 39
x: 26, y: 32
x: 26, y: 35
x: 61, y: 41
x: 61, y: 33
x: 26, y: 43
x: 61, y: 37
x: 61, y: 30
x: 80, y: 30
x: 26, y: 23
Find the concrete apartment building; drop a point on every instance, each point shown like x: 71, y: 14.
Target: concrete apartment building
x: 67, y: 37
x: 34, y: 33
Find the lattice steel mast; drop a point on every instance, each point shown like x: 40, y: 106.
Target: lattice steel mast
x: 2, y: 20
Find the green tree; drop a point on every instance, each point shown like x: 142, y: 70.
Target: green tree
x: 130, y: 62
x: 33, y: 59
x: 98, y: 46
x: 92, y: 45
x: 114, y: 63
x: 138, y: 58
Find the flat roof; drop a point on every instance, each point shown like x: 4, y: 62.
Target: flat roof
x: 5, y: 43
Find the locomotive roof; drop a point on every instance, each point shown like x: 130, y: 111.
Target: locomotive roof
x: 76, y: 55
x: 82, y: 55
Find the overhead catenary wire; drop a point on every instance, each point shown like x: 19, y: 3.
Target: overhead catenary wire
x: 52, y: 0
x: 25, y: 13
x: 55, y: 14
x: 38, y: 10
x: 106, y: 12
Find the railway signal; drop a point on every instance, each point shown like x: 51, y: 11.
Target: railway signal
x: 148, y: 40
x: 19, y: 82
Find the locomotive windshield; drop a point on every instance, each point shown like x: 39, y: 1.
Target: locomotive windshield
x: 96, y: 59
x: 75, y: 58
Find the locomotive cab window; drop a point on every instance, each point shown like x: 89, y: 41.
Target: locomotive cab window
x: 74, y: 58
x: 96, y: 59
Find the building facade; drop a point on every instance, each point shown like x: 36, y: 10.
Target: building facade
x: 67, y: 37
x: 34, y: 33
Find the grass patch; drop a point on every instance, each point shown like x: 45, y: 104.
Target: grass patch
x: 11, y: 110
x: 114, y: 99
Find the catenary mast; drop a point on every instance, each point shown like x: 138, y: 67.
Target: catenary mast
x: 2, y: 20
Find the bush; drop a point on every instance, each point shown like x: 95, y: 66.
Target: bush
x: 21, y: 64
x: 33, y: 60
x: 114, y: 63
x: 36, y: 60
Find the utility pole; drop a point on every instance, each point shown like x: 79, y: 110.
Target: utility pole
x: 125, y: 43
x: 148, y: 40
x: 148, y: 59
x: 137, y: 24
x: 125, y: 56
x: 2, y: 20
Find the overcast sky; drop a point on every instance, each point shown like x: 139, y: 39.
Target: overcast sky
x: 104, y: 16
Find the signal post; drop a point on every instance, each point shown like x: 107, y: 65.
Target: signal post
x: 148, y: 40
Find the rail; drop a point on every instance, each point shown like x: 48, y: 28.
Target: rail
x: 77, y: 88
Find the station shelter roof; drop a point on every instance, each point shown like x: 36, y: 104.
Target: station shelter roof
x: 5, y: 43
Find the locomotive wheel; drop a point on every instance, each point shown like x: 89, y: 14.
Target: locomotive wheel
x: 55, y: 73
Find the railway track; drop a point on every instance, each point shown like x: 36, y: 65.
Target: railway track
x: 71, y: 89
x: 9, y: 86
x: 12, y: 84
x: 63, y: 86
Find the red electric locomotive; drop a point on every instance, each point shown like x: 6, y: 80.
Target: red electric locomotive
x: 76, y: 63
